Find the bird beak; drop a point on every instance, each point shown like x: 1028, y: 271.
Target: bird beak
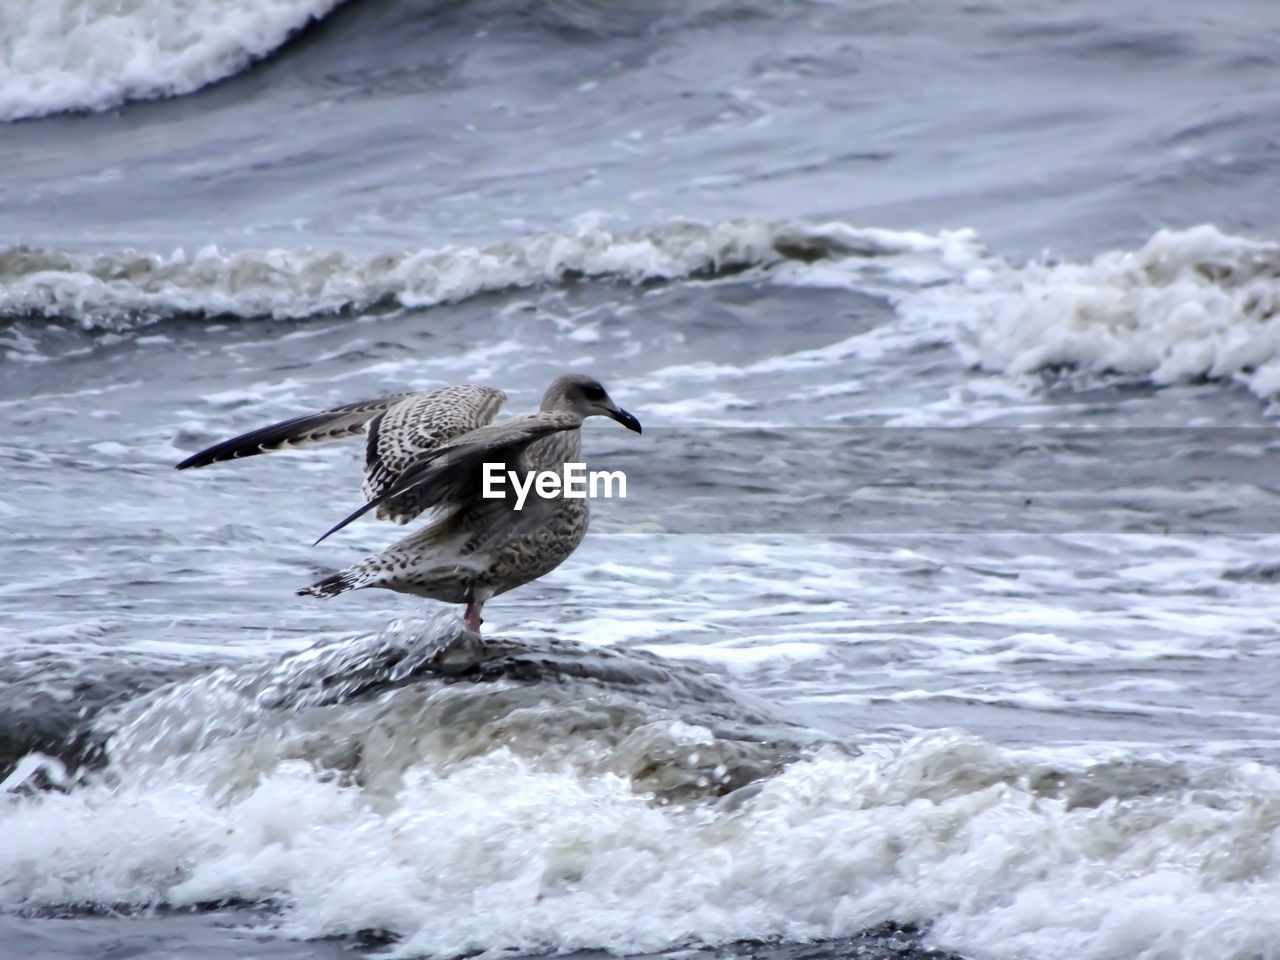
x: 626, y: 419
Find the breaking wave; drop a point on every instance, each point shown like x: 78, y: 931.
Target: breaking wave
x: 551, y: 796
x: 119, y: 291
x: 94, y: 54
x: 1188, y: 305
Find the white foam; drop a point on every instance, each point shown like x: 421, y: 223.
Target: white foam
x: 500, y: 851
x: 93, y: 54
x: 1188, y: 304
x: 747, y: 654
x: 123, y: 290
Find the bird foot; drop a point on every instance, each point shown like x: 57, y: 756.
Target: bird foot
x: 472, y: 617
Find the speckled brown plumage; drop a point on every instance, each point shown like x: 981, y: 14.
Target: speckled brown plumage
x: 401, y: 428
x: 480, y: 548
x: 414, y: 426
x: 426, y: 451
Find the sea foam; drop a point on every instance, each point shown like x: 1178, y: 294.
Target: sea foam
x: 1186, y: 305
x: 60, y: 55
x: 124, y: 290
x: 487, y: 816
x: 1005, y: 856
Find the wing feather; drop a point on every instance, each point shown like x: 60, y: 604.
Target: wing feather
x: 339, y: 423
x: 450, y: 475
x: 410, y: 430
x: 401, y: 428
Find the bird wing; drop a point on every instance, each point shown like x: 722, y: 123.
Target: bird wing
x: 339, y: 423
x: 451, y: 474
x: 401, y: 429
x: 412, y: 429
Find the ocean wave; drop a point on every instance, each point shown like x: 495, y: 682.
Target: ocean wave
x: 92, y: 55
x: 60, y: 55
x: 1188, y: 305
x: 578, y: 807
x: 127, y: 290
x: 421, y: 692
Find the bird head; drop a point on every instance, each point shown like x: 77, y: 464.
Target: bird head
x: 585, y: 396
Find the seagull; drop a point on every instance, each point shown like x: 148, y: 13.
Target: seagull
x: 429, y: 451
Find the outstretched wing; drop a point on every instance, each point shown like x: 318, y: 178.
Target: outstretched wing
x: 451, y: 476
x: 402, y: 428
x: 339, y: 423
x: 413, y: 428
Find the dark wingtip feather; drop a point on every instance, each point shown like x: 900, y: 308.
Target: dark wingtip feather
x: 200, y: 459
x: 336, y: 424
x: 330, y: 586
x: 246, y: 446
x: 355, y: 515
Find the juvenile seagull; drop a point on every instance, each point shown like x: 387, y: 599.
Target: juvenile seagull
x: 427, y: 451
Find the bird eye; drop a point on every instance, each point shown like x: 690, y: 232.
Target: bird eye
x: 593, y: 392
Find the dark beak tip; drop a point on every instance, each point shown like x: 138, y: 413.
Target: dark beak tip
x: 628, y: 421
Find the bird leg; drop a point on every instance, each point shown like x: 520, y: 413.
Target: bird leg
x: 472, y: 617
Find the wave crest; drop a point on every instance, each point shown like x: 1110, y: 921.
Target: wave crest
x: 1188, y: 305
x: 125, y: 290
x: 96, y: 54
